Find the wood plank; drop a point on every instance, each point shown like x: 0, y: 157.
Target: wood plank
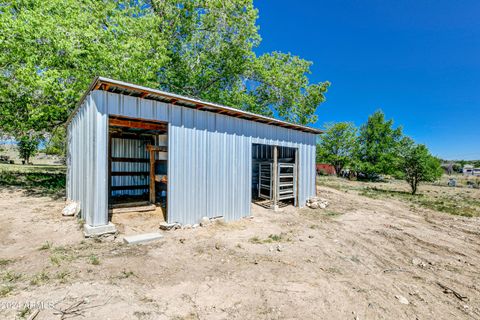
x: 137, y: 124
x: 117, y: 188
x: 130, y: 204
x: 152, y: 174
x: 150, y: 207
x: 120, y: 159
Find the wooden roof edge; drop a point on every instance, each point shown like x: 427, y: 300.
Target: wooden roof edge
x: 99, y: 82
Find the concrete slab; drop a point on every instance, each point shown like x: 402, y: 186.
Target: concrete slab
x: 142, y: 238
x: 90, y: 231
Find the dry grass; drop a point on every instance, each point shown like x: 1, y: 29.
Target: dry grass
x: 460, y: 201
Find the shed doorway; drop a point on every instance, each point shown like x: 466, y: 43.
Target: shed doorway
x: 138, y: 167
x: 274, y: 176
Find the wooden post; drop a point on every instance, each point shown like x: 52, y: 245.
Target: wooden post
x: 275, y: 177
x: 152, y: 174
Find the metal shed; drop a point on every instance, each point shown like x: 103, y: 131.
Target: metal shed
x: 208, y: 156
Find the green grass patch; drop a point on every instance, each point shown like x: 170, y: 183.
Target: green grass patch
x: 48, y: 180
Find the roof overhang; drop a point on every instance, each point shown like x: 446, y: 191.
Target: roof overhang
x: 130, y: 89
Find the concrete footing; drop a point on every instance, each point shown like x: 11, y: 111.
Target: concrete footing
x: 90, y: 231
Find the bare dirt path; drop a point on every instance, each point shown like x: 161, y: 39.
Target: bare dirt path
x: 358, y: 259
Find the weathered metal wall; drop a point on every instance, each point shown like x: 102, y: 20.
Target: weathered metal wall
x: 87, y: 162
x: 209, y: 157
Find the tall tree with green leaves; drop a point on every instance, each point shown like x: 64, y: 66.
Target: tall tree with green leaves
x: 210, y: 50
x: 51, y: 50
x: 337, y: 145
x: 418, y: 165
x: 378, y: 146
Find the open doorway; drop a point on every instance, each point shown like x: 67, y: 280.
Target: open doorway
x: 274, y: 176
x: 138, y: 153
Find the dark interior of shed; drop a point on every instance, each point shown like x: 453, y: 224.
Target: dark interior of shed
x: 137, y: 161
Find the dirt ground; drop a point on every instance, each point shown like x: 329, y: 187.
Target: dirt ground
x: 361, y: 258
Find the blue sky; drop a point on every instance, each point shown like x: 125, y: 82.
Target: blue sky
x: 418, y: 61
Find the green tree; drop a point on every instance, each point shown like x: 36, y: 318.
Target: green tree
x: 55, y: 143
x: 337, y: 145
x: 51, y: 50
x: 210, y: 56
x: 27, y: 147
x: 378, y: 146
x: 419, y: 165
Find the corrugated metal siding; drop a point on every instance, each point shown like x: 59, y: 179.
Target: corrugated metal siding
x: 130, y: 148
x: 87, y: 162
x: 210, y: 156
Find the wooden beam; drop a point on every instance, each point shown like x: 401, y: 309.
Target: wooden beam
x: 114, y: 188
x: 129, y: 173
x: 120, y: 159
x: 144, y: 94
x: 137, y: 124
x: 152, y: 173
x: 156, y: 148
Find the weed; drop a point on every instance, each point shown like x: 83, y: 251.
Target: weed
x: 40, y: 278
x: 330, y: 213
x: 255, y: 240
x: 55, y: 259
x: 25, y: 311
x: 4, y: 262
x: 271, y: 238
x: 62, y: 276
x: 80, y: 223
x: 6, y: 289
x: 275, y: 237
x: 126, y: 274
x: 46, y: 246
x: 10, y: 276
x: 94, y: 260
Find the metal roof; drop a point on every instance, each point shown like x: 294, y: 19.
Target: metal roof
x: 130, y: 89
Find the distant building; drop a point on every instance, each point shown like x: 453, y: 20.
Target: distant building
x: 469, y: 170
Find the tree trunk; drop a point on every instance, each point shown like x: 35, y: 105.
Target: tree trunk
x: 414, y: 187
